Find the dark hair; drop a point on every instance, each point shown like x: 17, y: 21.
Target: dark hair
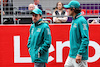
x: 57, y: 5
x: 76, y: 10
x: 40, y: 15
x: 34, y: 0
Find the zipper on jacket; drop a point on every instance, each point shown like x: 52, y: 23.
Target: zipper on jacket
x: 38, y: 53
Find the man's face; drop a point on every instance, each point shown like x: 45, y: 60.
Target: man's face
x: 70, y: 12
x: 0, y: 2
x: 31, y: 7
x: 36, y: 17
x: 37, y: 2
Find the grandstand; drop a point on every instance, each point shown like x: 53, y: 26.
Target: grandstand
x: 16, y: 9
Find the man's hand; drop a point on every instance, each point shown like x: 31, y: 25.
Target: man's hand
x: 28, y: 48
x: 56, y: 19
x: 60, y: 20
x: 78, y: 59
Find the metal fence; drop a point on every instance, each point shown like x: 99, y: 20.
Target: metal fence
x: 15, y: 10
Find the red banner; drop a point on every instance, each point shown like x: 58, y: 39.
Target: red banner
x: 14, y: 52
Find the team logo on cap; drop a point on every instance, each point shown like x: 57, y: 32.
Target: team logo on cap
x: 72, y: 6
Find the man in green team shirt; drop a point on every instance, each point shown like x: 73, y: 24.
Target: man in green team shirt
x: 39, y: 40
x: 79, y: 38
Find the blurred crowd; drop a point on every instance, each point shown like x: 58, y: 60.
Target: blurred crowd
x: 59, y: 13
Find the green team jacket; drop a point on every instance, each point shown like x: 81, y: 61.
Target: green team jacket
x: 39, y: 42
x: 79, y: 38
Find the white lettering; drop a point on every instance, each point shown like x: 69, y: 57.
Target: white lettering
x: 59, y: 48
x: 96, y: 56
x: 17, y: 58
x: 59, y: 53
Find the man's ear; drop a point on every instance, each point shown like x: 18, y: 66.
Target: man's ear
x: 41, y: 16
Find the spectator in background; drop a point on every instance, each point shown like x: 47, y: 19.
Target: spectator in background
x: 59, y: 10
x: 3, y: 12
x: 94, y: 22
x: 27, y: 20
x: 8, y: 9
x: 31, y: 7
x: 37, y: 5
x: 0, y: 11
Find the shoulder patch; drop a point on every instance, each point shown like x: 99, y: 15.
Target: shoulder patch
x: 84, y: 27
x: 48, y: 31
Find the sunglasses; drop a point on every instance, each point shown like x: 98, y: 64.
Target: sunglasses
x: 35, y: 15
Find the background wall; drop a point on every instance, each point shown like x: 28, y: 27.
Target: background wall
x: 51, y: 3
